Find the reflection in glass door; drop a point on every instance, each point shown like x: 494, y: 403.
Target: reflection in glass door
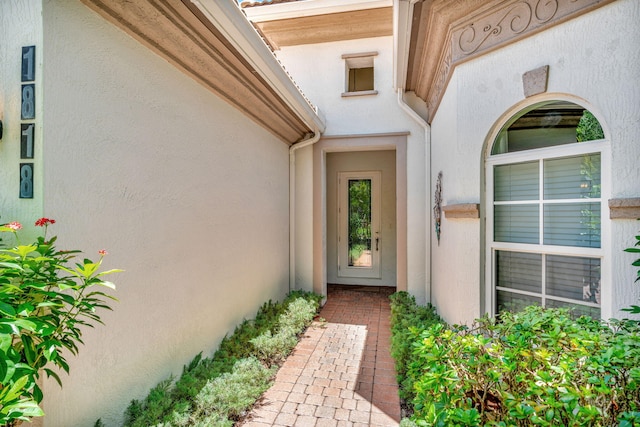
x: 359, y: 227
x: 359, y: 222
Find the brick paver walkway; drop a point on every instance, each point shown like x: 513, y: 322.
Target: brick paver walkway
x: 341, y: 373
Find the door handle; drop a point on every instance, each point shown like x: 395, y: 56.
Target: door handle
x: 377, y: 243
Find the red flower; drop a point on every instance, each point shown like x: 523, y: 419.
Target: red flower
x: 43, y: 222
x: 103, y: 252
x: 15, y: 225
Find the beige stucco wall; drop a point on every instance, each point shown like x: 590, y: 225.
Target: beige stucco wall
x: 594, y: 61
x: 188, y: 195
x: 320, y: 71
x: 20, y: 25
x: 385, y: 162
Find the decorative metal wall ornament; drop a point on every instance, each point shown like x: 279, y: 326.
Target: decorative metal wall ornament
x: 437, y: 206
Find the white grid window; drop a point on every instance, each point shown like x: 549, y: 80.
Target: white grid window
x: 544, y: 216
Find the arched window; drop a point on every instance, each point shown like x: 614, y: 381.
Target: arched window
x: 544, y: 210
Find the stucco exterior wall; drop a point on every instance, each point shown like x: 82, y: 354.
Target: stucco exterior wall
x: 320, y: 71
x: 188, y: 195
x: 455, y: 258
x: 20, y: 25
x: 594, y: 61
x: 304, y: 218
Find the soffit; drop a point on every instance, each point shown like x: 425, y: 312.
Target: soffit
x: 324, y: 28
x: 445, y: 33
x: 560, y: 114
x: 177, y: 31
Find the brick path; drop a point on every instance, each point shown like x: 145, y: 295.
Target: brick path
x: 340, y: 374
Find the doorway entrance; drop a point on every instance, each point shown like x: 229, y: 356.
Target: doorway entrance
x: 361, y: 218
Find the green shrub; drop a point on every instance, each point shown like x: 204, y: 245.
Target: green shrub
x: 536, y: 367
x: 274, y: 347
x: 154, y: 408
x: 635, y: 309
x: 47, y: 298
x: 408, y: 320
x: 174, y: 404
x: 233, y: 393
x: 299, y: 315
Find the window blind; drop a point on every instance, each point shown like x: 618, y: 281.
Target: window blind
x: 570, y: 205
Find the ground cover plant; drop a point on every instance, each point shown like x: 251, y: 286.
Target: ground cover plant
x: 635, y: 249
x: 45, y: 301
x: 536, y: 367
x: 219, y: 390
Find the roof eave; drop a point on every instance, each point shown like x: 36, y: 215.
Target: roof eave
x: 238, y: 30
x: 214, y: 43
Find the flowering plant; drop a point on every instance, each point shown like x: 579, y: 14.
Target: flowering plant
x: 44, y: 303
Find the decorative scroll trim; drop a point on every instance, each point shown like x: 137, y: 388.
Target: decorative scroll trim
x: 494, y: 27
x: 624, y: 208
x: 514, y: 20
x: 440, y: 82
x: 462, y: 210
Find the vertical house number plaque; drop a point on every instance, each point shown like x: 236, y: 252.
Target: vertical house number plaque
x: 26, y: 140
x: 27, y: 112
x: 26, y: 180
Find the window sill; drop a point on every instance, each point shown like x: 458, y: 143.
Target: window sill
x: 624, y: 208
x: 359, y: 93
x: 462, y: 210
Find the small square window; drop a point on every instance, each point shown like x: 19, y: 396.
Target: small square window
x: 359, y: 72
x: 360, y: 79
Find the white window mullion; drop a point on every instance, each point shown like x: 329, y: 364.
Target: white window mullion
x: 543, y: 276
x: 549, y: 249
x: 544, y: 280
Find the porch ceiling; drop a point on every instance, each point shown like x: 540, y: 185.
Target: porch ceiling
x: 349, y: 25
x: 445, y: 33
x: 179, y: 31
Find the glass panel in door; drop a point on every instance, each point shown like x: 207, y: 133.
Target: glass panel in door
x: 359, y: 222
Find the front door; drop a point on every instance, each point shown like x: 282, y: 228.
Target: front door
x: 359, y: 224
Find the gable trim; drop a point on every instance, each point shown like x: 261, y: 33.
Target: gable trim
x: 449, y: 33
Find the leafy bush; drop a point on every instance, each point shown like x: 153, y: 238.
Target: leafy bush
x: 635, y: 309
x: 536, y: 367
x: 44, y: 304
x: 181, y: 403
x: 588, y: 128
x: 408, y: 320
